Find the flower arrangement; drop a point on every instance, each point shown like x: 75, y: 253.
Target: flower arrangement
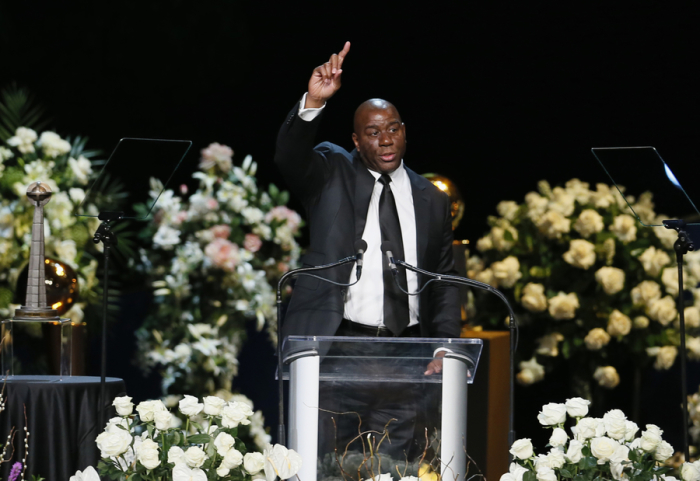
x: 66, y: 167
x: 150, y: 447
x: 214, y: 264
x: 598, y: 448
x: 590, y: 285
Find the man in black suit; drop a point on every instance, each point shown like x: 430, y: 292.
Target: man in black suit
x: 367, y: 194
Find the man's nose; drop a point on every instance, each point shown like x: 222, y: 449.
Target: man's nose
x: 385, y: 139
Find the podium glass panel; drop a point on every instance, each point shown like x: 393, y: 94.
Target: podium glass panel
x: 364, y: 406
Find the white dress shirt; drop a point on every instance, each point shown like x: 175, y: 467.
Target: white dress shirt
x: 364, y: 302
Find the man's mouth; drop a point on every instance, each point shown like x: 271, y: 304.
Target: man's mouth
x: 388, y: 157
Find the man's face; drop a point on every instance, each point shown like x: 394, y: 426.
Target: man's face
x: 380, y: 138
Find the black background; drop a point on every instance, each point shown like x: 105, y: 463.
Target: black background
x: 495, y: 95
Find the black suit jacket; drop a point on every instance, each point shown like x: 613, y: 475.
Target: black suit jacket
x: 335, y: 188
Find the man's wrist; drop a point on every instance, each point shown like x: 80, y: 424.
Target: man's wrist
x: 313, y: 103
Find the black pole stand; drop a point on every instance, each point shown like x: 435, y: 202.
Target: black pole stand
x: 682, y: 246
x: 108, y: 238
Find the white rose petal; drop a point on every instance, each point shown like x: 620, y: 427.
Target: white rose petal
x: 552, y: 414
x: 577, y: 407
x: 189, y: 406
x: 123, y: 405
x: 253, y: 462
x: 522, y: 448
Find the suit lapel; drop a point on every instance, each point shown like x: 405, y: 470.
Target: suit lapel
x: 364, y: 185
x: 421, y: 206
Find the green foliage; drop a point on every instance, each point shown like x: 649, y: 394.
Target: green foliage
x: 18, y: 108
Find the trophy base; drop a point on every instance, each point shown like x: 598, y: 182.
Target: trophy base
x: 36, y: 314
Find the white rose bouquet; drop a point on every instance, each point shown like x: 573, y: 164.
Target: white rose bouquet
x: 214, y: 263
x: 154, y: 445
x: 597, y: 448
x: 590, y: 285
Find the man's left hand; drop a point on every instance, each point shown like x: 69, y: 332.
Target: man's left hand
x: 435, y: 365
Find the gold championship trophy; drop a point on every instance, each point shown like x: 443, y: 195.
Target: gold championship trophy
x: 35, y: 308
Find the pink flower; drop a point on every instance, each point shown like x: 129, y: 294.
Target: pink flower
x: 212, y: 203
x: 223, y: 254
x: 183, y: 189
x: 221, y: 231
x: 252, y: 242
x: 283, y: 267
x: 216, y: 155
x: 180, y: 217
x: 282, y: 213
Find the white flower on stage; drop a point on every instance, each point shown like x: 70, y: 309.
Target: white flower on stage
x: 147, y: 409
x: 611, y: 279
x: 81, y: 168
x: 114, y: 443
x: 176, y: 455
x: 252, y: 215
x: 625, y: 228
x: 534, y: 298
x: 563, y: 306
x: 589, y: 222
x: 596, y: 339
x: 690, y: 471
x: 66, y: 250
x: 507, y: 271
x: 663, y: 451
x: 522, y: 448
x: 166, y: 237
x: 123, y: 405
x: 615, y: 424
x: 654, y: 260
x: 558, y: 438
x: 147, y: 454
x: 619, y: 324
x: 223, y: 443
x: 574, y: 453
x: 189, y: 406
x: 285, y: 463
x: 236, y: 413
x: 216, y: 155
x: 552, y: 414
x: 603, y: 448
x: 577, y: 407
x: 581, y: 254
x: 182, y: 472
x: 195, y: 457
x: 163, y: 420
x: 23, y: 139
x: 88, y: 475
x: 530, y: 372
x: 52, y: 144
x: 546, y: 474
x: 253, y: 463
x: 651, y: 438
x: 663, y: 310
x: 665, y: 356
x: 213, y: 405
x: 232, y: 459
x: 515, y: 473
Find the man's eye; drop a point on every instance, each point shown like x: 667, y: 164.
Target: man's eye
x: 393, y: 129
x: 374, y: 133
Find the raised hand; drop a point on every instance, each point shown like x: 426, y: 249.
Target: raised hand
x: 325, y: 79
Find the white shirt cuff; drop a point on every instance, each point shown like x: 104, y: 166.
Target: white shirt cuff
x: 441, y: 349
x: 308, y: 114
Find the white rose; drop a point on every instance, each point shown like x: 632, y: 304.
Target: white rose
x: 692, y: 317
x: 603, y: 448
x: 581, y: 254
x: 577, y: 407
x: 552, y: 414
x: 558, y: 438
x: 507, y: 271
x: 113, y: 443
x: 596, y: 339
x: 663, y: 451
x: 498, y: 237
x: 147, y: 454
x: 484, y: 244
x: 507, y: 209
x: 232, y: 459
x: 617, y: 471
x: 553, y: 224
x: 148, y: 409
x: 163, y: 420
x: 236, y: 413
x: 663, y: 310
x: 615, y: 426
x: 522, y: 448
x: 189, y: 406
x: 89, y: 474
x: 620, y: 455
x: 176, y: 455
x: 625, y: 228
x: 589, y: 222
x: 223, y: 443
x: 282, y: 462
x: 182, y: 472
x: 536, y: 205
x: 253, y: 462
x: 611, y: 278
x: 651, y: 438
x: 607, y: 377
x: 548, y: 345
x: 669, y: 278
x: 574, y: 454
x: 631, y: 429
x: 195, y: 457
x: 665, y: 356
x: 645, y: 293
x: 213, y: 405
x: 222, y: 470
x: 640, y: 322
x: 619, y: 324
x: 530, y: 372
x: 563, y: 306
x: 654, y: 260
x: 690, y: 471
x: 586, y: 428
x: 556, y: 457
x: 546, y: 474
x: 123, y: 405
x: 533, y: 297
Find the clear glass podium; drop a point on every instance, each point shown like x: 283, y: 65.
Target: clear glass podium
x: 364, y: 406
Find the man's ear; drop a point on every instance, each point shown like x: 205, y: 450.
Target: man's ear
x: 356, y: 141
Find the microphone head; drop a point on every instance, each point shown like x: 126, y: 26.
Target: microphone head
x: 360, y: 245
x: 387, y: 246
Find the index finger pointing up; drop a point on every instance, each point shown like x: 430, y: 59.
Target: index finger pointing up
x: 343, y: 53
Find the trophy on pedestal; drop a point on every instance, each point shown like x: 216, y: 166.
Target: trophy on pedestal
x: 35, y: 308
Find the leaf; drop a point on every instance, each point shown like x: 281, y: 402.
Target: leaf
x: 199, y: 439
x: 19, y: 109
x: 529, y: 476
x: 273, y: 191
x: 565, y: 473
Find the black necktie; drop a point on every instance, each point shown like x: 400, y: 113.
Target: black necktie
x: 396, y: 316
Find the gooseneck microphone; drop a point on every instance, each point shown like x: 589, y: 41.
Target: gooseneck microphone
x: 360, y: 248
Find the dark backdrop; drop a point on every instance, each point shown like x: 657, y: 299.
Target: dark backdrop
x: 495, y: 95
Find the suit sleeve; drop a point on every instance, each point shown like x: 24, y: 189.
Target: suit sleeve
x: 304, y: 168
x: 444, y: 298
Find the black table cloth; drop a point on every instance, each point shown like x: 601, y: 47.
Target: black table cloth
x: 62, y: 418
